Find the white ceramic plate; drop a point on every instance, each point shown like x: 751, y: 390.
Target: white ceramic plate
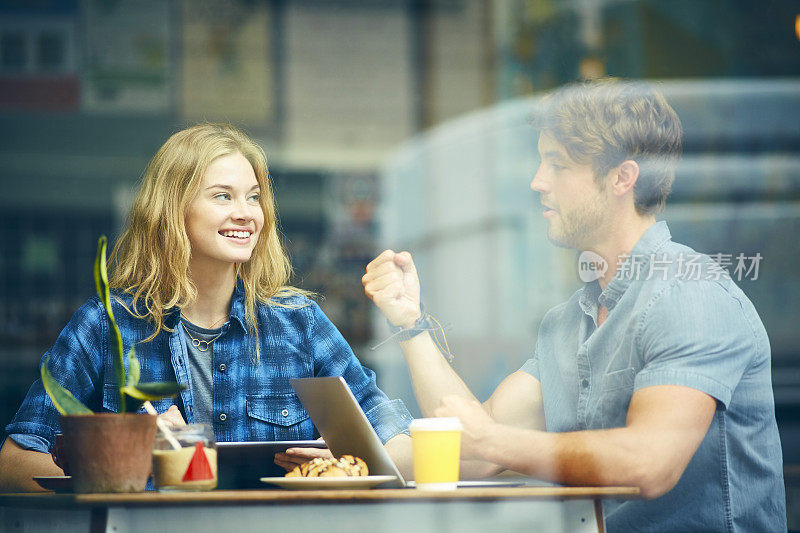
x: 55, y: 483
x: 317, y: 483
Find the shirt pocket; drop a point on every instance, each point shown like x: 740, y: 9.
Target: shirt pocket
x: 277, y: 417
x: 111, y: 400
x: 615, y: 397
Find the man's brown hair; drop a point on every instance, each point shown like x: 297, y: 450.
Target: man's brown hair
x: 605, y: 122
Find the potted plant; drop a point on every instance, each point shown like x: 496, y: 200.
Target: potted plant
x: 109, y: 452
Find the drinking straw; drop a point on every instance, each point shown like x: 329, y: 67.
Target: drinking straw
x: 162, y: 426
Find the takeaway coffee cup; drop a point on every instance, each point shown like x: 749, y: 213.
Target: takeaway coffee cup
x: 436, y: 448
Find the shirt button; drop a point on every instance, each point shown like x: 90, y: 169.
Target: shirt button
x: 285, y: 412
x: 222, y: 367
x: 222, y: 417
x: 585, y: 383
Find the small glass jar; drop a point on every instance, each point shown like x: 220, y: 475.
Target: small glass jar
x: 185, y: 460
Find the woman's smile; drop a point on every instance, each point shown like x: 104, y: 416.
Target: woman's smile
x: 237, y: 236
x: 228, y: 206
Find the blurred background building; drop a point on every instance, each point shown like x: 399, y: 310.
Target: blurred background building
x: 394, y: 123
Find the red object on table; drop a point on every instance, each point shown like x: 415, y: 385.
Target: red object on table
x: 198, y: 467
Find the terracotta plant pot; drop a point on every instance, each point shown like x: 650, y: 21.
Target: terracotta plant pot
x: 109, y: 452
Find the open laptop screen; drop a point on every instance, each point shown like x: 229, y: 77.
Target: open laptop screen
x: 343, y: 424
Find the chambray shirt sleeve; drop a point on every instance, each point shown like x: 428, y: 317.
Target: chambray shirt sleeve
x: 75, y: 362
x: 531, y: 366
x: 696, y: 334
x: 333, y: 357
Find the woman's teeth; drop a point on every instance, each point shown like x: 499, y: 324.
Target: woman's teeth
x: 237, y: 234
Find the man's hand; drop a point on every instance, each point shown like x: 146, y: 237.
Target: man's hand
x: 172, y: 417
x: 391, y: 282
x: 293, y: 457
x: 476, y: 423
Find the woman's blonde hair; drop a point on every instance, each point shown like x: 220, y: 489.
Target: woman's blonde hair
x: 150, y: 260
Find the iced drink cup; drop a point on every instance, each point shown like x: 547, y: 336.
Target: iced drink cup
x: 436, y: 448
x: 192, y: 465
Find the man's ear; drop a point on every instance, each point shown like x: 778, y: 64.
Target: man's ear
x: 625, y: 176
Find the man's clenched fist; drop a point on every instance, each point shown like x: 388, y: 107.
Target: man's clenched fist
x: 391, y: 282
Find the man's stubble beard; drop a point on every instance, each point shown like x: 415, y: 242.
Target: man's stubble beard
x: 580, y: 228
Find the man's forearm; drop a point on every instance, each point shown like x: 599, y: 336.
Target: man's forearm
x: 588, y: 458
x: 399, y: 449
x: 477, y: 469
x: 431, y: 374
x: 665, y: 426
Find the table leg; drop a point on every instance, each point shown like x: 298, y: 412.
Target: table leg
x: 598, y: 514
x: 98, y: 520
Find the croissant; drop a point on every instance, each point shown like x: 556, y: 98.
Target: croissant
x: 345, y: 466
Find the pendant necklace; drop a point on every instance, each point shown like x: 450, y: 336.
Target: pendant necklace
x: 201, y: 344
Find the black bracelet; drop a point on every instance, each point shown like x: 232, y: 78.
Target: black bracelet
x: 425, y: 322
x: 403, y: 334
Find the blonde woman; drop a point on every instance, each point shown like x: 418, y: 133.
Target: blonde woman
x: 201, y: 289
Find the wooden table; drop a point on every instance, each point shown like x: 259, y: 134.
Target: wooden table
x: 464, y: 510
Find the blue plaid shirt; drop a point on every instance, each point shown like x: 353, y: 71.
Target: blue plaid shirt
x: 252, y: 402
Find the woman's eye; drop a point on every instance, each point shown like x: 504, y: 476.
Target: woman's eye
x: 222, y: 196
x: 256, y: 198
x: 558, y: 167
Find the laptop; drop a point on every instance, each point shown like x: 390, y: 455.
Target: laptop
x: 342, y: 423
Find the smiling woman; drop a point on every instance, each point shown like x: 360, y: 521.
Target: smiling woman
x: 225, y: 218
x: 200, y: 287
x: 204, y: 181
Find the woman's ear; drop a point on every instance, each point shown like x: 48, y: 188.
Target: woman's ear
x: 625, y: 176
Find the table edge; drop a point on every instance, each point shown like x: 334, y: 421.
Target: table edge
x: 280, y: 496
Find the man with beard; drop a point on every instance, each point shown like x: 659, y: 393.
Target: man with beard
x: 655, y: 375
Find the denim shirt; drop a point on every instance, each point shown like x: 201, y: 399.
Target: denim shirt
x: 669, y: 325
x: 251, y: 401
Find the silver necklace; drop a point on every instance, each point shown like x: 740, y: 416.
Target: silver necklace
x: 198, y: 343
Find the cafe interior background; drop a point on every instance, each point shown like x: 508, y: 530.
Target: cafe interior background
x: 399, y: 124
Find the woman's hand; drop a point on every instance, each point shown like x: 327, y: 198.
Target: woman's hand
x: 293, y: 457
x: 172, y: 417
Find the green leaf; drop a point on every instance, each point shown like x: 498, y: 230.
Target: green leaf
x: 154, y: 391
x: 64, y: 401
x: 98, y: 282
x: 137, y: 395
x: 131, y: 393
x: 134, y: 369
x: 115, y: 339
